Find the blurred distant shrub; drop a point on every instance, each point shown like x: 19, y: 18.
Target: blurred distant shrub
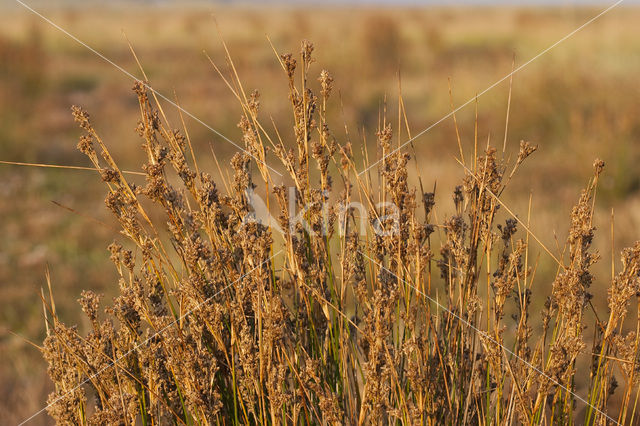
x: 382, y: 44
x: 23, y: 64
x: 79, y: 83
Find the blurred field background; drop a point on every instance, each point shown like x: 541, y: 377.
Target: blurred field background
x: 578, y: 102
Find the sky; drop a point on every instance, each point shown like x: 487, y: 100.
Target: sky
x: 348, y: 2
x: 425, y: 2
x: 458, y: 2
x: 604, y: 3
x: 47, y: 4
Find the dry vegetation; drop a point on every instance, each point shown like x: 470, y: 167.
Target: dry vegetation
x: 462, y: 315
x: 212, y: 325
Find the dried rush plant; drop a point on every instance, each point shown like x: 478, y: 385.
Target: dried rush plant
x: 219, y: 320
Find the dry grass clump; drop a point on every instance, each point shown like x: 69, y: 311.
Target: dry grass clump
x: 366, y: 311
